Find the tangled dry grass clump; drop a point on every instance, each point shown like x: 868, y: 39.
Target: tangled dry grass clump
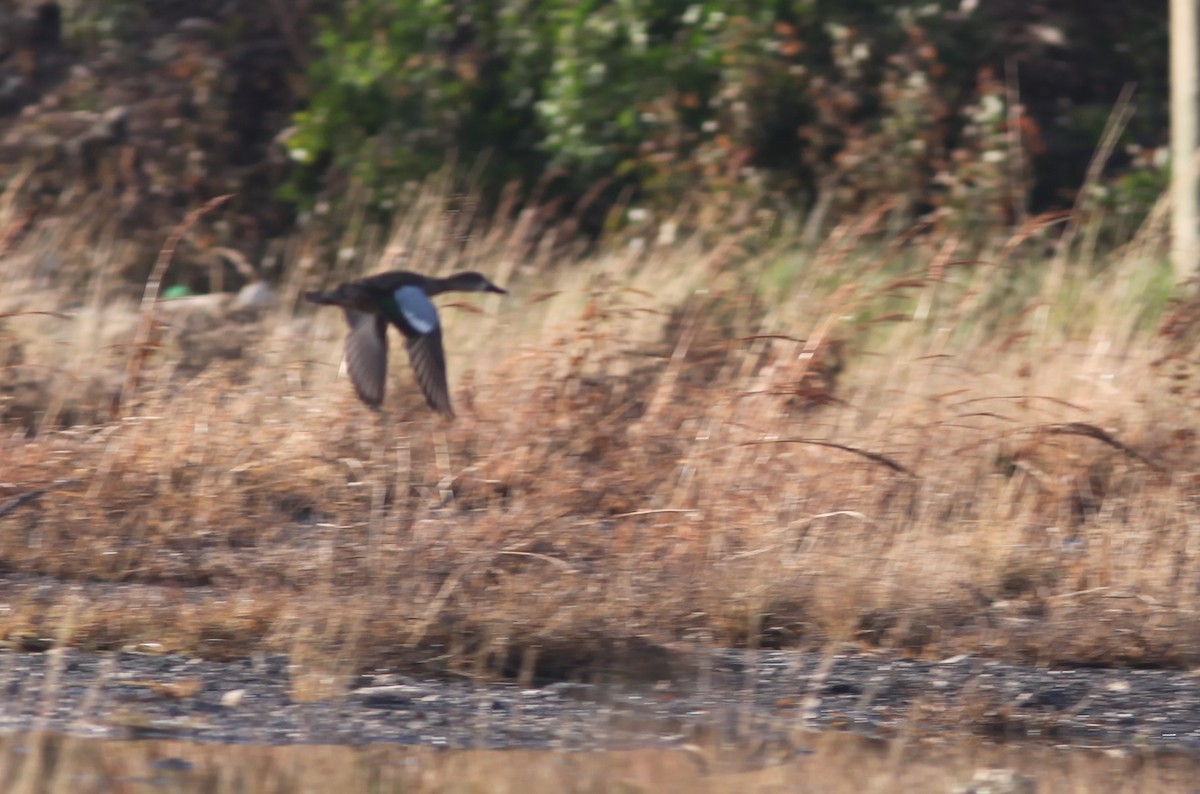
x: 661, y: 448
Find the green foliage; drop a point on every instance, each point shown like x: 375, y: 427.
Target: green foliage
x: 663, y: 95
x: 663, y: 92
x: 400, y: 85
x: 88, y: 24
x: 850, y: 105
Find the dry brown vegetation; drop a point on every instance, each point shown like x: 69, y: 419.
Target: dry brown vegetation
x: 663, y: 446
x: 830, y: 762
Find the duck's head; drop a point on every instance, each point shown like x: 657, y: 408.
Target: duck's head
x: 470, y: 281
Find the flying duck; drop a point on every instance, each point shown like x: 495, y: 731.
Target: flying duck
x: 401, y: 298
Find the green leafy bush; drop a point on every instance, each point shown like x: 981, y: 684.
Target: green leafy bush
x: 845, y: 105
x: 400, y: 84
x: 658, y: 94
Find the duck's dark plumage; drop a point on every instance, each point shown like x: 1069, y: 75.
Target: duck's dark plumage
x: 401, y: 298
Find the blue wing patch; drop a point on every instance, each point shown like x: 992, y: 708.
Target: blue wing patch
x: 416, y: 308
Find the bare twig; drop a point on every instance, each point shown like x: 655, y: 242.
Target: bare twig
x: 1016, y: 148
x: 1121, y: 113
x: 872, y: 456
x: 142, y: 344
x: 1091, y: 431
x: 31, y: 496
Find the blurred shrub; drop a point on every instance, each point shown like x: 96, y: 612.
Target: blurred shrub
x: 400, y: 84
x: 847, y: 105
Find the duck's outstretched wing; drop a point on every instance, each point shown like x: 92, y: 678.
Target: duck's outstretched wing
x: 366, y: 355
x: 429, y: 365
x: 417, y: 318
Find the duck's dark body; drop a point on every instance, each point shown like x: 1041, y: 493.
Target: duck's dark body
x: 401, y: 298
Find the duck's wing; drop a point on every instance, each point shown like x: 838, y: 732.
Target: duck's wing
x: 417, y: 319
x: 366, y: 355
x: 429, y: 365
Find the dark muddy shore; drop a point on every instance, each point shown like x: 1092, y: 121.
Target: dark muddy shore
x: 740, y: 695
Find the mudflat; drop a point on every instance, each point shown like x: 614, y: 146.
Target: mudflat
x: 729, y: 694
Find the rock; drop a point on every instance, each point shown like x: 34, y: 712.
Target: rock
x: 233, y: 698
x: 255, y: 295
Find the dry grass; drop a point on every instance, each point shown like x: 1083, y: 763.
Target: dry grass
x: 830, y: 762
x: 664, y: 446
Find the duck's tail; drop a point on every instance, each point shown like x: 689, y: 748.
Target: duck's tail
x: 323, y: 298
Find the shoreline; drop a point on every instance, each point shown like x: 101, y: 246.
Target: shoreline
x: 765, y: 695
